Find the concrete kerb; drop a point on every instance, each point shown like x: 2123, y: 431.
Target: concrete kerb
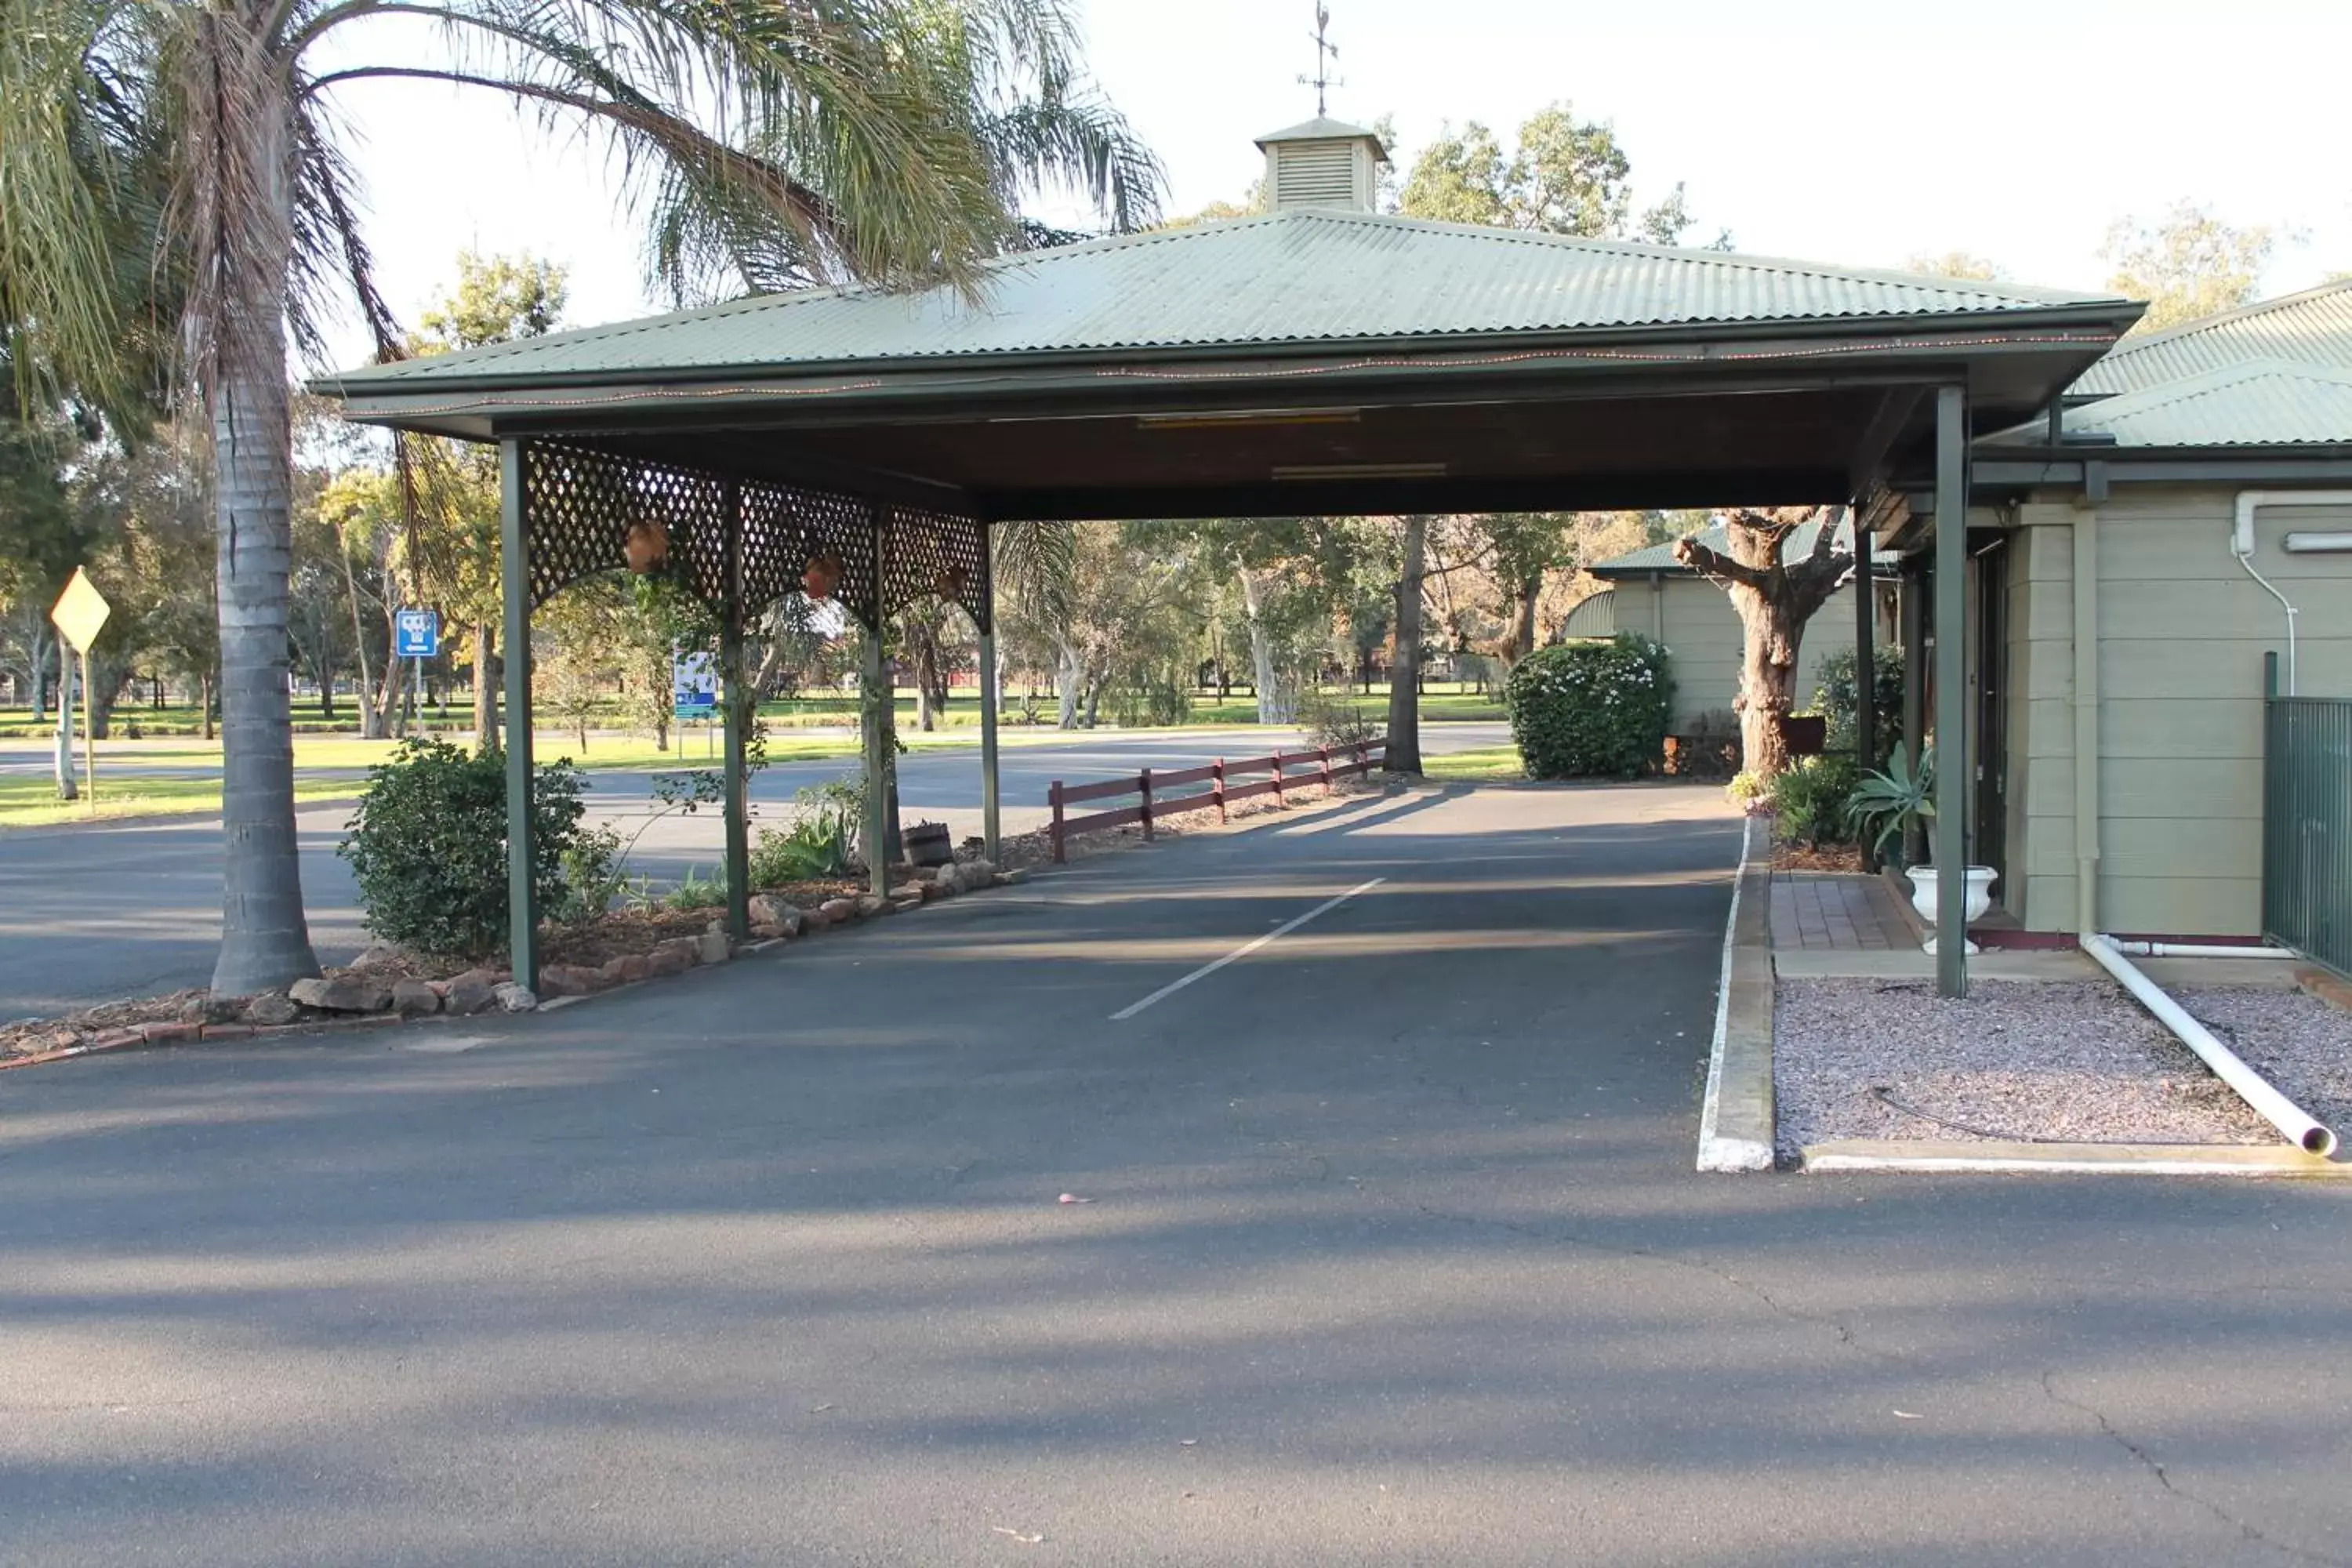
x: 1735, y: 1121
x: 2073, y: 1159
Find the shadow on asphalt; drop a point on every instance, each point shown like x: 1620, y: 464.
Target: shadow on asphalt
x: 1407, y: 1197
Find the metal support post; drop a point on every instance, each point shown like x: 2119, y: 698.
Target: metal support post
x: 740, y: 708
x: 1866, y: 662
x: 1911, y: 613
x: 990, y: 824
x: 1951, y: 691
x: 514, y: 562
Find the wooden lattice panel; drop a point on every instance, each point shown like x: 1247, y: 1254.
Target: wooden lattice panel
x: 580, y: 505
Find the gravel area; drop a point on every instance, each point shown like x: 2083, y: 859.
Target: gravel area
x: 2291, y: 1037
x: 2077, y: 1062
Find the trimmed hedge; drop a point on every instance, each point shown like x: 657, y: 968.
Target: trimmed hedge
x: 1591, y: 709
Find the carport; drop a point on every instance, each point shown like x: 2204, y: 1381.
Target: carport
x: 1317, y: 360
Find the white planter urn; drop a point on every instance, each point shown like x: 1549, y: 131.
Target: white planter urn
x: 1922, y: 897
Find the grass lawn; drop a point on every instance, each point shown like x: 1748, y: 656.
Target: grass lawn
x: 34, y: 802
x: 1487, y: 765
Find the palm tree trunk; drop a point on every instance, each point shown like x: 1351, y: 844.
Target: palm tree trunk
x: 1403, y: 755
x: 265, y: 940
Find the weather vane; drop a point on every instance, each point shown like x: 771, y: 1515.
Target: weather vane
x: 1326, y: 54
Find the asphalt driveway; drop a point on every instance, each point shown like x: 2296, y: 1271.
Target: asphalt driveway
x: 1389, y: 1252
x: 96, y: 912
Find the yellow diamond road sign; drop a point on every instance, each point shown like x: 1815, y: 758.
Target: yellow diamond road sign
x: 80, y: 612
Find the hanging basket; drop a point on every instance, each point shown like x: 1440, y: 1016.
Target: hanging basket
x: 645, y: 547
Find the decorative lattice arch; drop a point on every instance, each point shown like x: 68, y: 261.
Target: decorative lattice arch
x: 579, y: 505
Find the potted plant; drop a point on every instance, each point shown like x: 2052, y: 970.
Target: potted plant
x: 1888, y: 804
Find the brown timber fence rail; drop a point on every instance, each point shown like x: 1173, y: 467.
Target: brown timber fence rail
x: 1329, y: 765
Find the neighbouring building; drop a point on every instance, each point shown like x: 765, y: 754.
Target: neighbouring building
x: 1652, y: 593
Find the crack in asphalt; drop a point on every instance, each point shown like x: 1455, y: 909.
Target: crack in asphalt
x: 1846, y: 1337
x: 2155, y: 1467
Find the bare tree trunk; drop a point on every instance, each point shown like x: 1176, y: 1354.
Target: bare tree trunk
x: 1403, y: 754
x: 486, y: 685
x: 1523, y: 633
x: 1768, y: 680
x: 265, y: 940
x: 369, y: 729
x: 390, y: 720
x: 1775, y: 596
x: 1068, y: 673
x: 1273, y: 703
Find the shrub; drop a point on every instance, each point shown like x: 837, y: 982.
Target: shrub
x: 1752, y: 792
x: 698, y: 891
x: 1591, y: 709
x: 1337, y: 724
x: 593, y: 879
x: 1813, y: 799
x: 428, y: 846
x: 1836, y: 700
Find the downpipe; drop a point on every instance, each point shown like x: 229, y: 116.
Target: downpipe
x: 2250, y: 1086
x: 2198, y: 950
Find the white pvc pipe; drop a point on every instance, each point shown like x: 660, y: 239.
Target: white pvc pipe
x: 2199, y: 950
x: 2241, y: 545
x: 2252, y: 1088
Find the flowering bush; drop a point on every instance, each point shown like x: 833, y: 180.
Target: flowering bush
x: 1589, y: 709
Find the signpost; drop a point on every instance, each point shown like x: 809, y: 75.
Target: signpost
x: 79, y: 615
x: 416, y: 636
x: 694, y: 687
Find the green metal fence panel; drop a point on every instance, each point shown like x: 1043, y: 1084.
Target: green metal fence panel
x: 2307, y: 826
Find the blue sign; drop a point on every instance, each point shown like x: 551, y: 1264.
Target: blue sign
x: 416, y: 634
x: 694, y: 686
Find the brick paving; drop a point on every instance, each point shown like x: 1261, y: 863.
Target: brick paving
x: 1837, y: 912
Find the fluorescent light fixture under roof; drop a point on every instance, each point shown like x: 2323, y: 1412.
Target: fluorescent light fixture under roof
x: 1360, y: 471
x: 2317, y: 543
x: 1225, y: 419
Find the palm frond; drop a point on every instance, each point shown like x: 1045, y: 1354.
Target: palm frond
x: 1036, y: 566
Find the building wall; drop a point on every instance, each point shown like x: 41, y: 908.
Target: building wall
x: 1696, y: 621
x: 2182, y: 631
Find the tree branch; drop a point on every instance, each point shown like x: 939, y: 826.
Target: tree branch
x: 1710, y: 563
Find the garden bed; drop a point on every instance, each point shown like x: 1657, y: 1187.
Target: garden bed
x: 2076, y: 1062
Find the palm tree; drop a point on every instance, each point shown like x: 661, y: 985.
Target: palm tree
x: 883, y: 140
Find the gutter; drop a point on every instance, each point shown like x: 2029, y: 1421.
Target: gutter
x: 2276, y: 1109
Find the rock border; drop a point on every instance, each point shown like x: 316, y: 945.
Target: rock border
x: 354, y: 999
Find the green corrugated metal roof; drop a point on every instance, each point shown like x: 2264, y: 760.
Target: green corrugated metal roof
x: 2313, y: 328
x: 2258, y: 403
x: 1715, y: 536
x: 1292, y: 278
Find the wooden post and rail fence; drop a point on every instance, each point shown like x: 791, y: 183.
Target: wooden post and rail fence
x: 1153, y: 804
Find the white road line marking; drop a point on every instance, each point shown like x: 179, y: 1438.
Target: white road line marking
x: 1244, y: 951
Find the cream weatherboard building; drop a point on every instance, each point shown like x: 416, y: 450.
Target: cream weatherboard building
x: 2193, y: 515
x: 2183, y: 512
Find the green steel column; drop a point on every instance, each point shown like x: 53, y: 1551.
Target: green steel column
x: 989, y: 830
x: 1911, y: 612
x: 739, y: 708
x: 1866, y: 661
x: 874, y: 696
x: 514, y: 560
x: 1951, y: 691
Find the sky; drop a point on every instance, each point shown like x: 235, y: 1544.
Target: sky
x: 1860, y: 132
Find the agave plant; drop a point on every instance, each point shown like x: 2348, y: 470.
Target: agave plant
x: 1885, y: 805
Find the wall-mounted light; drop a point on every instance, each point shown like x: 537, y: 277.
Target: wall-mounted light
x: 2317, y: 543
x: 1360, y: 471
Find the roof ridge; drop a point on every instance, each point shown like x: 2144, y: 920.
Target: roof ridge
x: 2214, y: 322
x: 1702, y: 255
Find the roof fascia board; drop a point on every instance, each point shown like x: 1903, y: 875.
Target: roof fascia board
x: 2018, y: 325
x: 2185, y: 465
x: 1384, y: 497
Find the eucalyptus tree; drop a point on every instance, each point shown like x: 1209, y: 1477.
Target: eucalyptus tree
x: 887, y: 141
